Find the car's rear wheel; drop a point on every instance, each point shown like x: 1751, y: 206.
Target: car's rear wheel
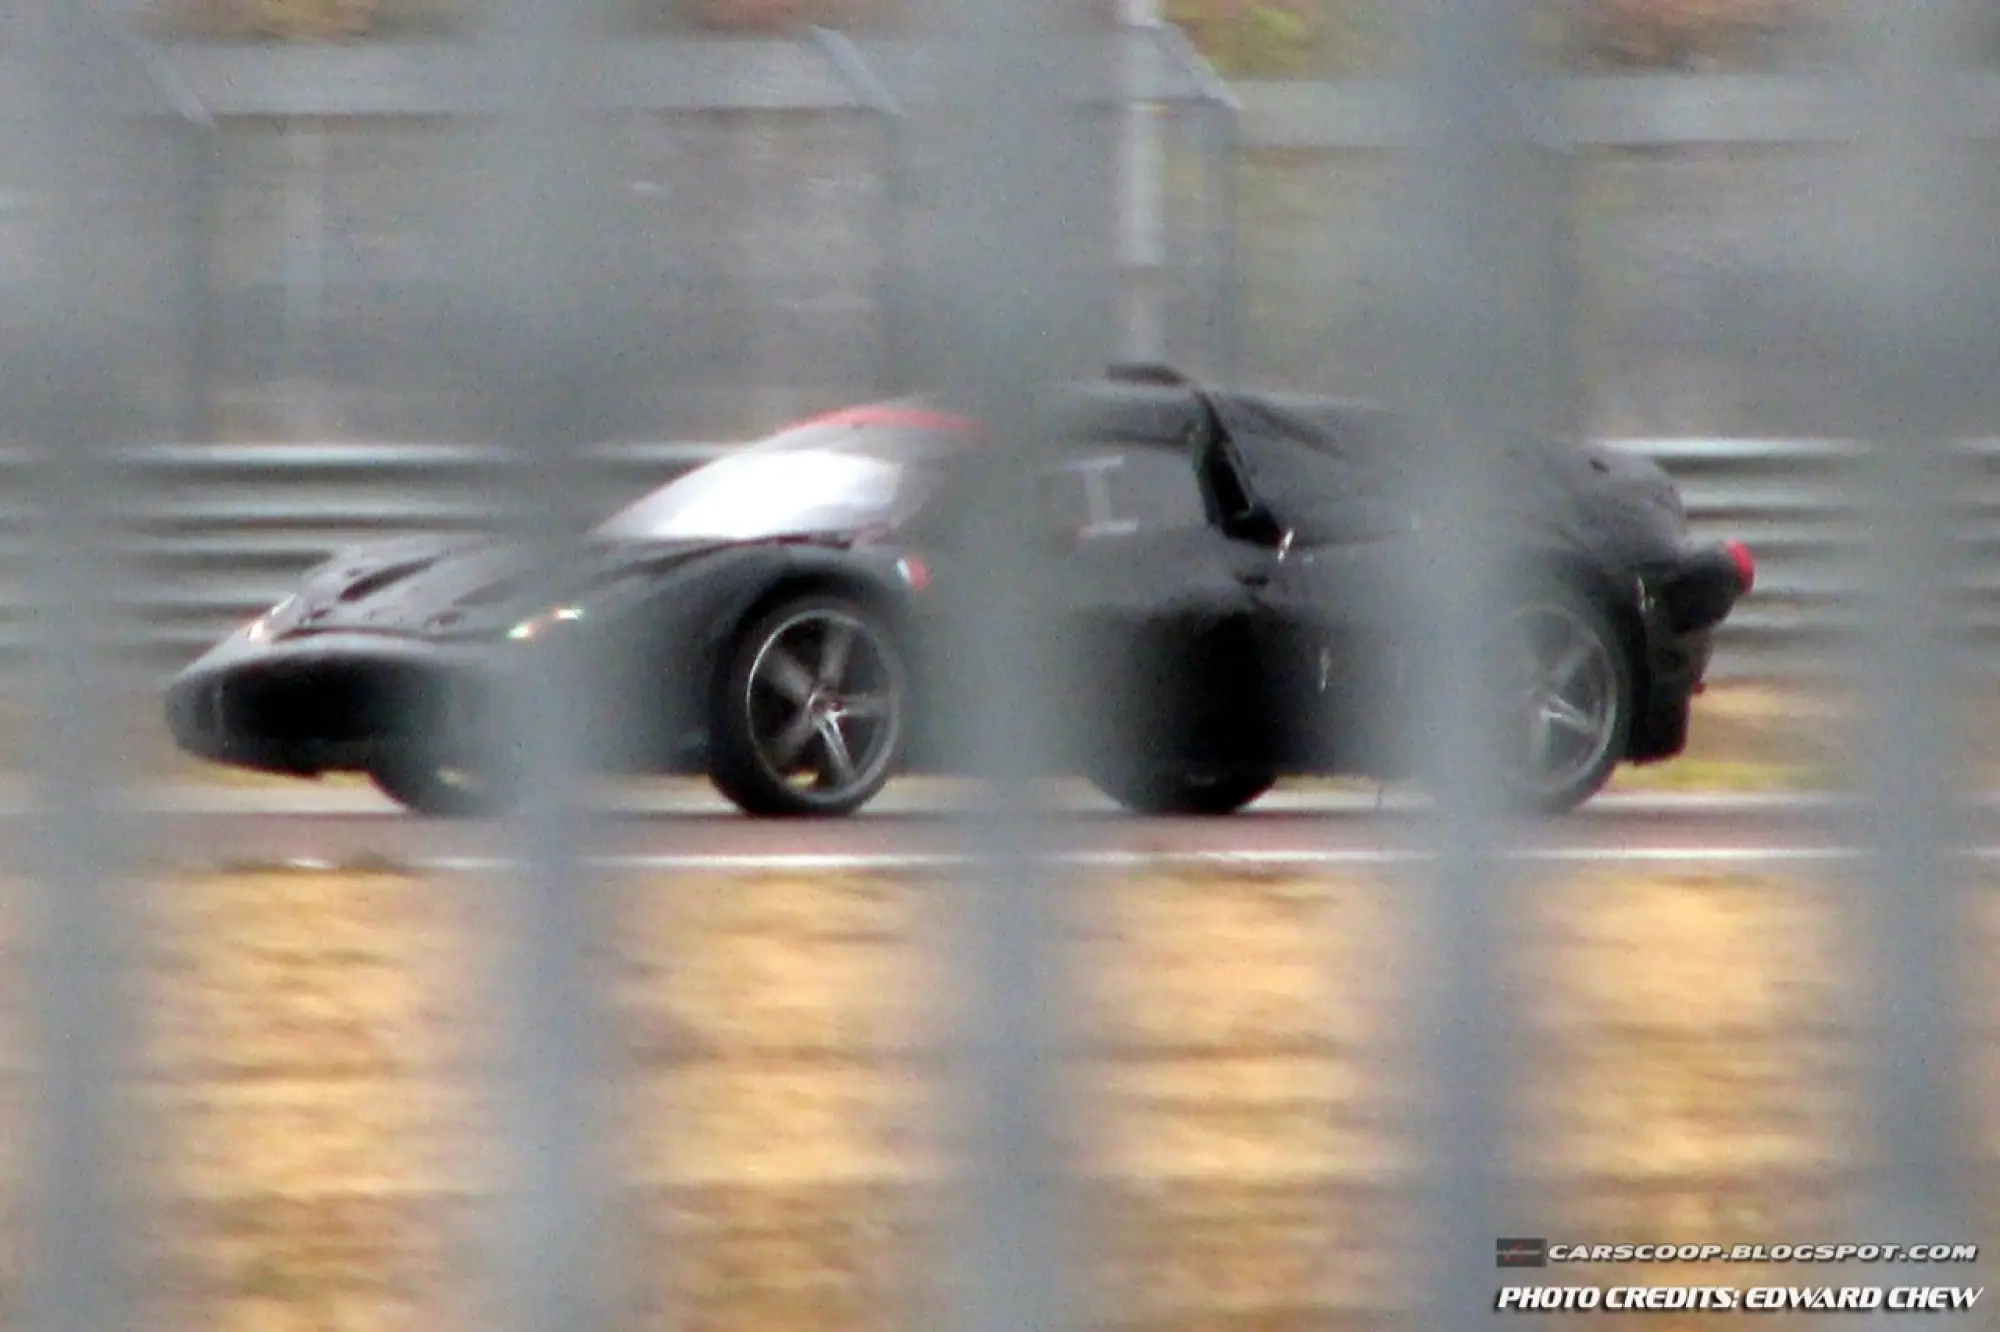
x: 808, y: 714
x: 1183, y: 793
x: 1566, y: 703
x: 426, y: 785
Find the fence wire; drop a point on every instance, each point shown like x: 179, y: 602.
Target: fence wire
x: 93, y: 367
x: 536, y: 292
x: 1475, y: 223
x: 1913, y: 270
x: 534, y: 259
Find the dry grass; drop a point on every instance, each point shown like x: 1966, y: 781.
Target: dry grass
x: 1242, y: 1112
x: 1753, y: 736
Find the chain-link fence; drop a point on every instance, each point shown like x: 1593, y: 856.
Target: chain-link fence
x: 775, y: 186
x: 998, y: 1060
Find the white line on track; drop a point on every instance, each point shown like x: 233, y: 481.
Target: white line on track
x: 1735, y: 845
x: 689, y: 797
x: 891, y: 860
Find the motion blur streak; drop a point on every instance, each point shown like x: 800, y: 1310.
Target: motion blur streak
x: 70, y: 394
x: 1014, y: 279
x: 1916, y: 333
x: 75, y: 391
x: 1475, y: 338
x: 532, y: 308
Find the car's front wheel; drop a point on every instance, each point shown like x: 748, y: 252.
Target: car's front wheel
x: 808, y: 713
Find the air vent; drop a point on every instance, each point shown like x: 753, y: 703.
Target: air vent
x: 500, y: 589
x: 1146, y: 372
x: 363, y: 588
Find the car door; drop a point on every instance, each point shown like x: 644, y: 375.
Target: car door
x: 1329, y: 616
x: 1162, y: 613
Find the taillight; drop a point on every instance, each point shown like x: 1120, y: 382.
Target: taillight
x: 915, y: 572
x: 1745, y: 562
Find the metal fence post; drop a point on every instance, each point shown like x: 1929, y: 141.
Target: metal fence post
x: 1218, y: 115
x: 1013, y: 284
x: 540, y: 292
x: 70, y: 391
x: 1912, y: 278
x: 1142, y: 224
x: 1473, y: 368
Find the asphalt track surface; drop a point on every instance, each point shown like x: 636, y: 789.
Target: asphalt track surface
x: 685, y: 826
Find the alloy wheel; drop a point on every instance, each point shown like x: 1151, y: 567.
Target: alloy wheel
x: 1563, y: 699
x: 824, y: 701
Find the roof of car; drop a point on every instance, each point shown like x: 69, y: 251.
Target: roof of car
x: 1149, y: 404
x: 1131, y: 413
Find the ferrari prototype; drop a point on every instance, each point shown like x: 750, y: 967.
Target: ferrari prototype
x: 1215, y: 565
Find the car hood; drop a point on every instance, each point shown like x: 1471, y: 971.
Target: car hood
x: 468, y: 586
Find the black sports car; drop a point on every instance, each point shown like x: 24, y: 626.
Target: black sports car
x: 772, y: 619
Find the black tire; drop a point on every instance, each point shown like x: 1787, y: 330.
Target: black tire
x: 426, y: 786
x: 1586, y: 671
x: 1179, y: 793
x: 802, y: 727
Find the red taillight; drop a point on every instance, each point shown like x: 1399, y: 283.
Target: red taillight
x: 915, y: 572
x: 1746, y: 563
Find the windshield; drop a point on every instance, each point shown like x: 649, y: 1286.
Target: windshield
x: 777, y: 491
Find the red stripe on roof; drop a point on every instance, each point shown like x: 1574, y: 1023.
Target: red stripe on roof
x: 889, y: 414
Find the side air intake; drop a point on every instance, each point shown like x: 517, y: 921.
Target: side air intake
x: 1146, y: 372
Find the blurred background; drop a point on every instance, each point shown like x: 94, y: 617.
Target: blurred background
x: 773, y: 179
x: 769, y: 207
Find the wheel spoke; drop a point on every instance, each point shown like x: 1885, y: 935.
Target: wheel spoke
x: 1564, y: 672
x: 1559, y: 697
x: 786, y: 674
x: 786, y: 746
x: 1558, y: 711
x: 1541, y: 741
x: 839, y: 763
x: 834, y: 652
x: 799, y: 706
x: 866, y: 707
